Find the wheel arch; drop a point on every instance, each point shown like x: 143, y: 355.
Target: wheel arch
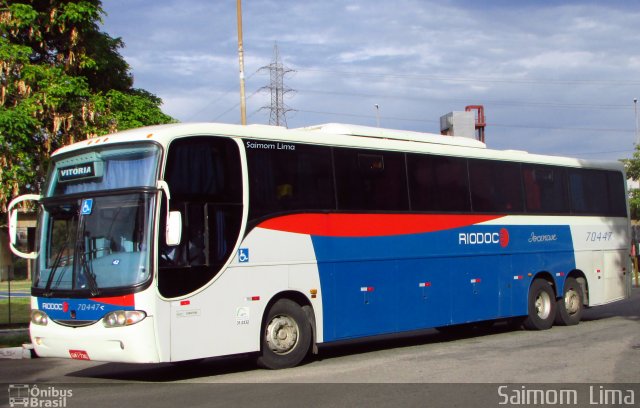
x: 306, y: 306
x: 549, y: 278
x: 579, y: 276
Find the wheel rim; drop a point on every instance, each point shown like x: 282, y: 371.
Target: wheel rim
x: 543, y: 305
x: 572, y: 301
x: 282, y: 334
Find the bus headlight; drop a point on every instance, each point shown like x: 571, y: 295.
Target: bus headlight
x: 121, y: 318
x: 39, y: 317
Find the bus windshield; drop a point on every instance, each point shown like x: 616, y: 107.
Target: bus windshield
x: 92, y: 244
x: 96, y: 220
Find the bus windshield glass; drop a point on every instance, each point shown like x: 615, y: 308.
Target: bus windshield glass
x: 92, y: 244
x: 106, y: 168
x: 96, y: 220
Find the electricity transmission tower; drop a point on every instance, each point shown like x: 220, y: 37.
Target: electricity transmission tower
x: 277, y: 71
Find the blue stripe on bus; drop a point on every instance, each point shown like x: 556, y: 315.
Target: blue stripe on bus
x: 378, y: 285
x: 84, y: 309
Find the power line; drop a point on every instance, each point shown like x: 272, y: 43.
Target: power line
x: 541, y: 104
x: 547, y: 81
x: 498, y: 125
x: 217, y: 100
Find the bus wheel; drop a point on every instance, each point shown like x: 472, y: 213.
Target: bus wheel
x: 570, y: 305
x: 286, y: 338
x: 542, y: 306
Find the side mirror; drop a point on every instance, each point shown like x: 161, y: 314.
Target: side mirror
x: 13, y: 224
x: 173, y: 233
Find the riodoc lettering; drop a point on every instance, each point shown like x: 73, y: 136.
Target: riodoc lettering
x: 51, y: 306
x: 478, y: 238
x: 484, y: 238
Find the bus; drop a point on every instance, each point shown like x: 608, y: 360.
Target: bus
x: 188, y: 241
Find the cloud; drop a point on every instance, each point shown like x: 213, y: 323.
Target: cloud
x: 546, y: 71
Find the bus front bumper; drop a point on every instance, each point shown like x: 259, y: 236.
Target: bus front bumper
x: 128, y: 344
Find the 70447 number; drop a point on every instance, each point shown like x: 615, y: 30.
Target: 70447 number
x: 599, y: 236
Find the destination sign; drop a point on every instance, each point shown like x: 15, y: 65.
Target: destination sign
x: 77, y: 172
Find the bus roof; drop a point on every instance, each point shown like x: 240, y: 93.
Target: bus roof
x: 336, y: 134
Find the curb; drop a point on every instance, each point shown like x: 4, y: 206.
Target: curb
x: 17, y: 353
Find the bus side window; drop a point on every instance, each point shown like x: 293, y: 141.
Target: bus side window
x: 371, y: 180
x: 438, y: 183
x: 288, y: 180
x: 495, y: 186
x: 204, y: 178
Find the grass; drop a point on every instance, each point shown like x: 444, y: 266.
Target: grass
x: 20, y: 311
x: 14, y: 340
x: 16, y: 285
x: 20, y: 306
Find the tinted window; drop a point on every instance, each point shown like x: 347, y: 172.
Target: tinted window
x: 545, y: 189
x: 371, y: 180
x: 438, y: 183
x: 205, y: 182
x: 287, y: 177
x: 589, y: 192
x: 495, y: 186
x: 204, y: 168
x: 617, y: 194
x: 597, y: 192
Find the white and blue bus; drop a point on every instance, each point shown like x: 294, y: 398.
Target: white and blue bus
x: 189, y: 241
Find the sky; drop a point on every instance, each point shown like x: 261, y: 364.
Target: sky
x: 554, y: 77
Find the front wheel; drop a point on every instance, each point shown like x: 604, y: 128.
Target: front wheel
x: 570, y: 305
x: 542, y: 306
x: 286, y: 336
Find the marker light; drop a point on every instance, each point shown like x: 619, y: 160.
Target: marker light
x: 39, y: 317
x: 121, y: 318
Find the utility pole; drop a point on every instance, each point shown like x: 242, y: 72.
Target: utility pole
x: 635, y: 110
x: 277, y: 71
x: 243, y: 101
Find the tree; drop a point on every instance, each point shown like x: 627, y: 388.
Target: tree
x: 632, y: 168
x: 62, y: 80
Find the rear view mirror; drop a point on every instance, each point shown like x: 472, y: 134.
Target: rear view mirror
x: 173, y: 233
x: 13, y: 224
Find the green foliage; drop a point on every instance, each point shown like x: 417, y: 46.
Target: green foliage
x: 632, y: 168
x: 62, y: 80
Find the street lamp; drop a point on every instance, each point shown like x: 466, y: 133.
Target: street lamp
x: 377, y: 114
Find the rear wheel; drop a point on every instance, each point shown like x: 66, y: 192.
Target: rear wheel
x: 570, y: 305
x: 286, y: 336
x: 542, y: 306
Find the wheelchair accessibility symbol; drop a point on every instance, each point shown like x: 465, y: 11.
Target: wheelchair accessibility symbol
x: 87, y: 206
x: 243, y: 255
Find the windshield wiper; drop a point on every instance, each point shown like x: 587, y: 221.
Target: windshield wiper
x: 47, y: 289
x: 87, y: 269
x: 86, y: 266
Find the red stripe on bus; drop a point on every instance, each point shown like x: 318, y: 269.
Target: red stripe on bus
x: 370, y: 225
x: 126, y: 300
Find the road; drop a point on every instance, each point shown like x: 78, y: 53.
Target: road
x: 603, y: 349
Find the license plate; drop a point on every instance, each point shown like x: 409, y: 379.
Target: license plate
x: 79, y: 355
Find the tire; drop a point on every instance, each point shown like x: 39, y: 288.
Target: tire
x: 570, y: 305
x: 286, y: 336
x: 541, y: 306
